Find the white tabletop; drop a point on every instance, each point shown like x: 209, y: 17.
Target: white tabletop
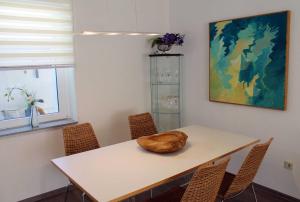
x: 119, y: 171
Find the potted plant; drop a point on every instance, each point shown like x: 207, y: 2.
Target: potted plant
x: 164, y: 43
x: 30, y: 104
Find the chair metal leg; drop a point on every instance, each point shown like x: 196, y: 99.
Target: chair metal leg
x: 233, y: 196
x: 254, y: 192
x: 83, y: 197
x: 151, y: 193
x: 67, y: 192
x: 222, y: 200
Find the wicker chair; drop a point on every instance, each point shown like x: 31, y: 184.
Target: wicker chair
x: 203, y: 187
x: 79, y: 138
x: 233, y: 185
x: 141, y: 125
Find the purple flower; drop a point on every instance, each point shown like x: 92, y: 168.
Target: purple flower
x: 169, y: 39
x: 179, y: 40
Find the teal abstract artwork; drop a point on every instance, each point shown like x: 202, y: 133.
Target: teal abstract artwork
x: 248, y: 60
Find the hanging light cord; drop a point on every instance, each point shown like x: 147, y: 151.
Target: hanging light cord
x: 136, y: 18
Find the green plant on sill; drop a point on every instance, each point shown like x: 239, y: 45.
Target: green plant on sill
x: 30, y: 99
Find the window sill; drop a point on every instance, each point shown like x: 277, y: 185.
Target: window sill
x: 23, y: 129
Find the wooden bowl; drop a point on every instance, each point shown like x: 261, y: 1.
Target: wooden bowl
x: 164, y: 142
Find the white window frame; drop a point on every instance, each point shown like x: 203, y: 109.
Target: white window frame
x: 66, y: 102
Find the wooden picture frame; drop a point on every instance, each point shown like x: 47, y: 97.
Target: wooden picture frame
x: 248, y: 60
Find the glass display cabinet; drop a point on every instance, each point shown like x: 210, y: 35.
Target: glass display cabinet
x: 165, y: 77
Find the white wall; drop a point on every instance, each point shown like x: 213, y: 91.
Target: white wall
x: 111, y: 81
x: 192, y: 17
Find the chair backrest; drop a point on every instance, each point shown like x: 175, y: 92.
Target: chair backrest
x: 205, y: 183
x: 79, y: 138
x: 141, y: 125
x: 248, y: 169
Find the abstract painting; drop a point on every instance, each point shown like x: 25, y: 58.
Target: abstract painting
x: 248, y: 60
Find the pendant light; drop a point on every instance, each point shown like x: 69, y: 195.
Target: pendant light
x: 118, y: 33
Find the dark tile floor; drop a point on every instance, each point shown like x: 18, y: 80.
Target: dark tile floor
x: 262, y: 196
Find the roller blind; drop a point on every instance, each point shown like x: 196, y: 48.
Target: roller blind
x: 35, y: 33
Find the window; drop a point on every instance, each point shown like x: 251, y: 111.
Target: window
x: 36, y: 51
x: 53, y: 86
x: 20, y: 85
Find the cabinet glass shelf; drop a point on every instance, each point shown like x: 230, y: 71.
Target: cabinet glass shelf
x: 165, y: 83
x: 166, y: 100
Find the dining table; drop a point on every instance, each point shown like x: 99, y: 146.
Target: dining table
x: 123, y: 170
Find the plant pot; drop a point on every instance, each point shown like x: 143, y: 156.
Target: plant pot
x: 164, y: 47
x: 28, y: 111
x: 34, y: 119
